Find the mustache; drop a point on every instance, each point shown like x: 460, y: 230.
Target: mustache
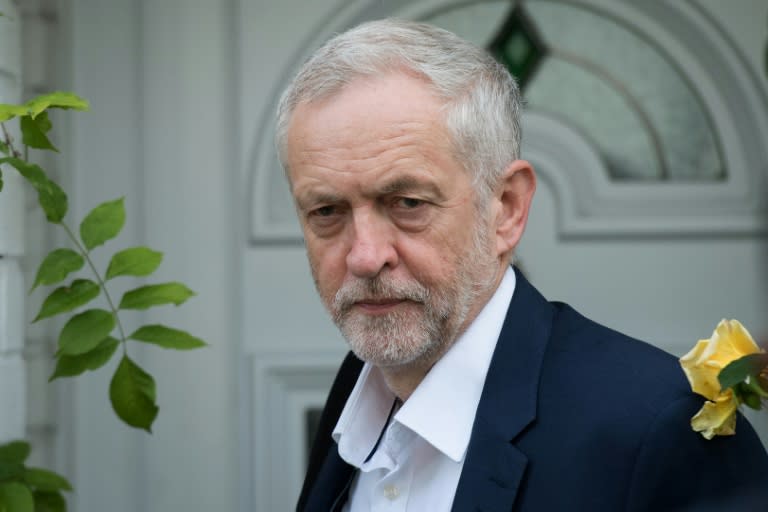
x: 378, y: 288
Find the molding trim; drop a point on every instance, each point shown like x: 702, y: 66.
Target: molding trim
x: 591, y: 205
x: 282, y: 389
x: 12, y: 315
x: 594, y: 207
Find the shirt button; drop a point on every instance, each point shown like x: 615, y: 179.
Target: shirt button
x: 391, y: 492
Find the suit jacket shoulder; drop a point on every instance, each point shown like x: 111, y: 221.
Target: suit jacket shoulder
x: 613, y: 429
x: 575, y: 416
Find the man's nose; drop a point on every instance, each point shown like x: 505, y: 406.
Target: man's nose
x: 372, y: 246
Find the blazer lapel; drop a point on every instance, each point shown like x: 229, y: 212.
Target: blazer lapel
x: 494, y: 468
x: 328, y: 476
x: 331, y: 487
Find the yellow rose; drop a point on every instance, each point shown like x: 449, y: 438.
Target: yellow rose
x: 717, y: 418
x: 703, y: 363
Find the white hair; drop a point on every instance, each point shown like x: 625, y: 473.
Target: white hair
x: 482, y: 100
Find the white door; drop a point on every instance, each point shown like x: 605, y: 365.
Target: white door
x: 649, y: 216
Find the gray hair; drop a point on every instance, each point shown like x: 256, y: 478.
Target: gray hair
x: 482, y: 100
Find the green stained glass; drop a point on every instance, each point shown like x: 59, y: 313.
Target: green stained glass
x: 519, y: 46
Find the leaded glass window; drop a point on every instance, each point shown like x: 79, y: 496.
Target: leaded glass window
x: 603, y: 77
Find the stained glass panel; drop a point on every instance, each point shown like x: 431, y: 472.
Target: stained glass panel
x: 605, y: 78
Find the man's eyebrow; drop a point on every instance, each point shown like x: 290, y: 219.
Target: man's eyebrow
x: 401, y: 185
x: 406, y: 184
x: 312, y: 198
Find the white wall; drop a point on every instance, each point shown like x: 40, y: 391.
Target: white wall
x: 161, y: 132
x: 12, y: 209
x: 26, y: 54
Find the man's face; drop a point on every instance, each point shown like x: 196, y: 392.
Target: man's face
x: 397, y: 251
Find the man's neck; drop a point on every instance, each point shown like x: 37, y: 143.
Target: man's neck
x: 403, y: 381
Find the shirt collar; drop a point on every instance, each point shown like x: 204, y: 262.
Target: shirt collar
x: 441, y: 410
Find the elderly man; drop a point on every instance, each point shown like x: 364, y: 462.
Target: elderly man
x: 465, y: 389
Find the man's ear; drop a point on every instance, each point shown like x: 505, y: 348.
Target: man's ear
x: 513, y: 198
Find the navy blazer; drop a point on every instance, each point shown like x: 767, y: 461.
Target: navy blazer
x: 574, y: 416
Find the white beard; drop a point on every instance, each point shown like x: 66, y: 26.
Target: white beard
x: 426, y: 325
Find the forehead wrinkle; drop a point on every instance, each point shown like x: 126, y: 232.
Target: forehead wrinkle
x: 364, y: 162
x: 312, y: 190
x: 372, y: 140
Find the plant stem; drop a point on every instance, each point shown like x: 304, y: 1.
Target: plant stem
x: 9, y: 140
x: 103, y: 286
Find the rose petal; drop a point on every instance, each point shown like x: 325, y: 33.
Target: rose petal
x: 742, y: 341
x: 701, y: 375
x: 729, y: 342
x: 720, y: 350
x: 692, y: 357
x: 716, y: 418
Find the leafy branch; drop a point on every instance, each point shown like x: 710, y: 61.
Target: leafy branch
x: 90, y: 338
x: 23, y: 488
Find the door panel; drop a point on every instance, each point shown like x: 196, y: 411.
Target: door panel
x: 663, y: 262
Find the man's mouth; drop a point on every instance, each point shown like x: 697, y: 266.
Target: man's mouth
x: 378, y: 306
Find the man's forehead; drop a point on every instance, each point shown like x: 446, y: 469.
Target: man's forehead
x: 392, y: 96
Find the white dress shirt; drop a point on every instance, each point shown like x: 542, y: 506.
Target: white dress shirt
x: 417, y: 464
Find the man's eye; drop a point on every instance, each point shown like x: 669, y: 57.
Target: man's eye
x: 408, y: 203
x: 323, y: 211
x: 411, y: 213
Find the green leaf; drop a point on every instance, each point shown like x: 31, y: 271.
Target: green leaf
x: 103, y: 223
x: 136, y: 261
x: 52, y: 199
x: 58, y: 99
x: 753, y: 401
x: 10, y: 470
x: 45, y: 480
x: 36, y: 106
x: 70, y: 366
x: 12, y: 457
x: 33, y: 132
x: 85, y: 331
x: 16, y: 497
x: 67, y: 298
x: 44, y: 122
x: 14, y: 452
x: 58, y: 265
x: 54, y: 202
x: 738, y: 370
x: 31, y: 172
x: 49, y: 502
x: 156, y: 294
x: 8, y: 111
x: 4, y: 148
x: 132, y: 393
x: 746, y: 395
x: 755, y: 385
x: 167, y: 337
